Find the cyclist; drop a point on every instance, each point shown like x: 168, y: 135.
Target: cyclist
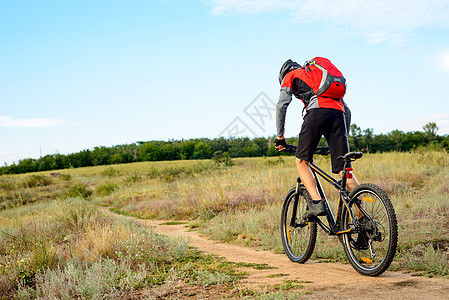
x: 324, y: 117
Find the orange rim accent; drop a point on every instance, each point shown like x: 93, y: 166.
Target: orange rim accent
x: 368, y: 199
x: 366, y: 260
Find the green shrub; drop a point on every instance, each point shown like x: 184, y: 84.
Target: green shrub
x: 79, y: 190
x: 279, y: 161
x: 110, y: 172
x: 19, y: 197
x: 428, y: 258
x: 65, y: 177
x: 171, y: 173
x: 153, y: 172
x: 222, y: 158
x: 207, y: 278
x: 7, y: 185
x: 106, y: 189
x: 134, y: 178
x: 78, y: 215
x: 36, y: 180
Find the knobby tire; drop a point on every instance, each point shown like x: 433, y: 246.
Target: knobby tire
x: 298, y: 239
x: 378, y: 205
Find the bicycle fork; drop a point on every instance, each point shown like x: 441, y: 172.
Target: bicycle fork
x: 299, y: 187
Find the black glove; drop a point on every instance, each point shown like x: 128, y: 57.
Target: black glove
x: 280, y: 143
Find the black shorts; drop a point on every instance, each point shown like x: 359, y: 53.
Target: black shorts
x: 329, y: 123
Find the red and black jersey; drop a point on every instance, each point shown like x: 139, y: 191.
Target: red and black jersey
x: 298, y: 83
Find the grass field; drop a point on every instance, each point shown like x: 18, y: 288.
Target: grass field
x: 54, y: 240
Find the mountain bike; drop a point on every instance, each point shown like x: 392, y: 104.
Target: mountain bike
x: 365, y: 222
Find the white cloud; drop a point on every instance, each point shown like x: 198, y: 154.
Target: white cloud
x: 377, y: 21
x: 6, y: 121
x: 250, y: 6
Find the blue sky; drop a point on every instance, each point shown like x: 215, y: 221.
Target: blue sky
x: 80, y: 74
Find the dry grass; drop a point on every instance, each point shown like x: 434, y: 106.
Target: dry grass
x: 69, y: 249
x: 239, y: 204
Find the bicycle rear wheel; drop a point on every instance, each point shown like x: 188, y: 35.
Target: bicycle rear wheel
x: 371, y: 250
x: 298, y: 238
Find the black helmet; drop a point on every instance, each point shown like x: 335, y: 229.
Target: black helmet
x: 288, y: 66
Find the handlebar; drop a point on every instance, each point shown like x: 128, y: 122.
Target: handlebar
x: 320, y: 150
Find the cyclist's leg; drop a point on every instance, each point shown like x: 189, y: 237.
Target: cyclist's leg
x: 308, y: 140
x: 337, y: 138
x: 338, y: 144
x: 351, y: 183
x: 307, y: 178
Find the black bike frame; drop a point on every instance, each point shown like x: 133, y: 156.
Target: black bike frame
x: 334, y: 223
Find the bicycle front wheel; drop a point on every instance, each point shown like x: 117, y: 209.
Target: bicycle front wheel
x: 370, y: 250
x: 298, y: 237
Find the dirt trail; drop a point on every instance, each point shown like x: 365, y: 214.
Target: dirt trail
x: 322, y: 280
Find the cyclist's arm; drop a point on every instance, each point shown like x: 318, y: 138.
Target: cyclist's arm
x: 347, y: 116
x: 285, y: 98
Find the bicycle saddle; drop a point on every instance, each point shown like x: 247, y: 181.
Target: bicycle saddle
x: 350, y: 156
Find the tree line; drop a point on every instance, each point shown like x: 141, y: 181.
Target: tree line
x: 204, y: 148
